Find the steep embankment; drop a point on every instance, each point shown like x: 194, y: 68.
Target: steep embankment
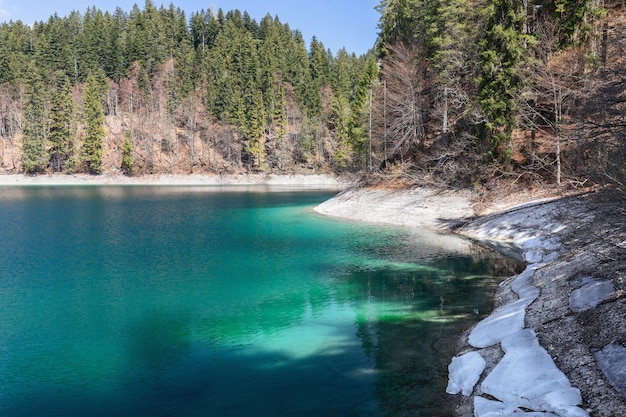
x: 555, y: 343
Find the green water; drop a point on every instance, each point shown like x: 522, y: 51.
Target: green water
x: 157, y: 301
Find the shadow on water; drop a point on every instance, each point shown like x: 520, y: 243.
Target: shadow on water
x: 169, y: 382
x: 412, y: 345
x: 406, y: 326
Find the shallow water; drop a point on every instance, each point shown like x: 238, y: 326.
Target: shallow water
x: 169, y: 301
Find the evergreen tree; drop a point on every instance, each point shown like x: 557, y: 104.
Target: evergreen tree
x: 94, y: 129
x: 361, y: 105
x: 320, y: 63
x: 400, y: 21
x: 449, y: 48
x: 342, y: 73
x: 256, y: 131
x: 298, y: 73
x: 15, y: 45
x: 114, y: 63
x: 128, y: 160
x: 279, y: 116
x: 502, y: 54
x: 93, y: 42
x: 34, y: 136
x: 340, y: 120
x: 61, y: 127
x: 571, y: 19
x: 270, y: 53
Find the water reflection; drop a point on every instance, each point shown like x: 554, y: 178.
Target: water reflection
x: 124, y: 301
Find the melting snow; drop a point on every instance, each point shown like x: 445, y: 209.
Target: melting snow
x: 465, y: 370
x: 612, y: 361
x: 590, y: 294
x: 527, y: 377
x: 489, y: 408
x: 526, y: 382
x: 504, y: 321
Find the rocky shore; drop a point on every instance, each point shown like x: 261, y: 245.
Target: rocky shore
x: 555, y: 344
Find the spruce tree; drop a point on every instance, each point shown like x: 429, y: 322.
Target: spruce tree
x: 361, y: 105
x: 34, y: 137
x: 94, y: 129
x: 340, y: 120
x: 61, y: 127
x: 256, y: 131
x: 502, y: 54
x: 128, y: 160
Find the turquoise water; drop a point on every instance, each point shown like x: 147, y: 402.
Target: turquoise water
x: 157, y: 301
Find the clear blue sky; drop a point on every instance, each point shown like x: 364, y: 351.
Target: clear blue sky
x: 337, y: 23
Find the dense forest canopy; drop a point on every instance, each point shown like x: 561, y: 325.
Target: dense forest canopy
x: 520, y: 89
x: 459, y: 91
x: 215, y: 92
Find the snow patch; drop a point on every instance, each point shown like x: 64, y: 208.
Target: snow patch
x: 590, y: 294
x: 533, y: 256
x: 522, y: 286
x: 527, y: 377
x: 612, y: 361
x: 465, y: 370
x: 489, y: 408
x: 504, y: 321
x: 526, y: 381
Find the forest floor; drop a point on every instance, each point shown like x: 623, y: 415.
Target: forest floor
x: 574, y: 244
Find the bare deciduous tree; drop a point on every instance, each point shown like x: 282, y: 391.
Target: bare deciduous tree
x: 403, y: 104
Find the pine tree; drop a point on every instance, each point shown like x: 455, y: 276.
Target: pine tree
x: 94, y: 129
x: 400, y: 21
x: 279, y: 116
x: 320, y: 63
x: 449, y: 44
x: 571, y: 16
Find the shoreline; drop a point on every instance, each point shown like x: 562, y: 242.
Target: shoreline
x: 427, y: 208
x: 540, y: 350
x: 564, y: 311
x: 317, y: 181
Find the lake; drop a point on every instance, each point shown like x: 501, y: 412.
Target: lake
x: 209, y: 301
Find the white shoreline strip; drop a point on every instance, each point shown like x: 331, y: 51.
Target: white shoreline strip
x: 318, y: 181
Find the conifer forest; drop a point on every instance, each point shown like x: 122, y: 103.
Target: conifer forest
x: 454, y: 91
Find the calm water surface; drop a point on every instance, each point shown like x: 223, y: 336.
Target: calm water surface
x: 163, y: 301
